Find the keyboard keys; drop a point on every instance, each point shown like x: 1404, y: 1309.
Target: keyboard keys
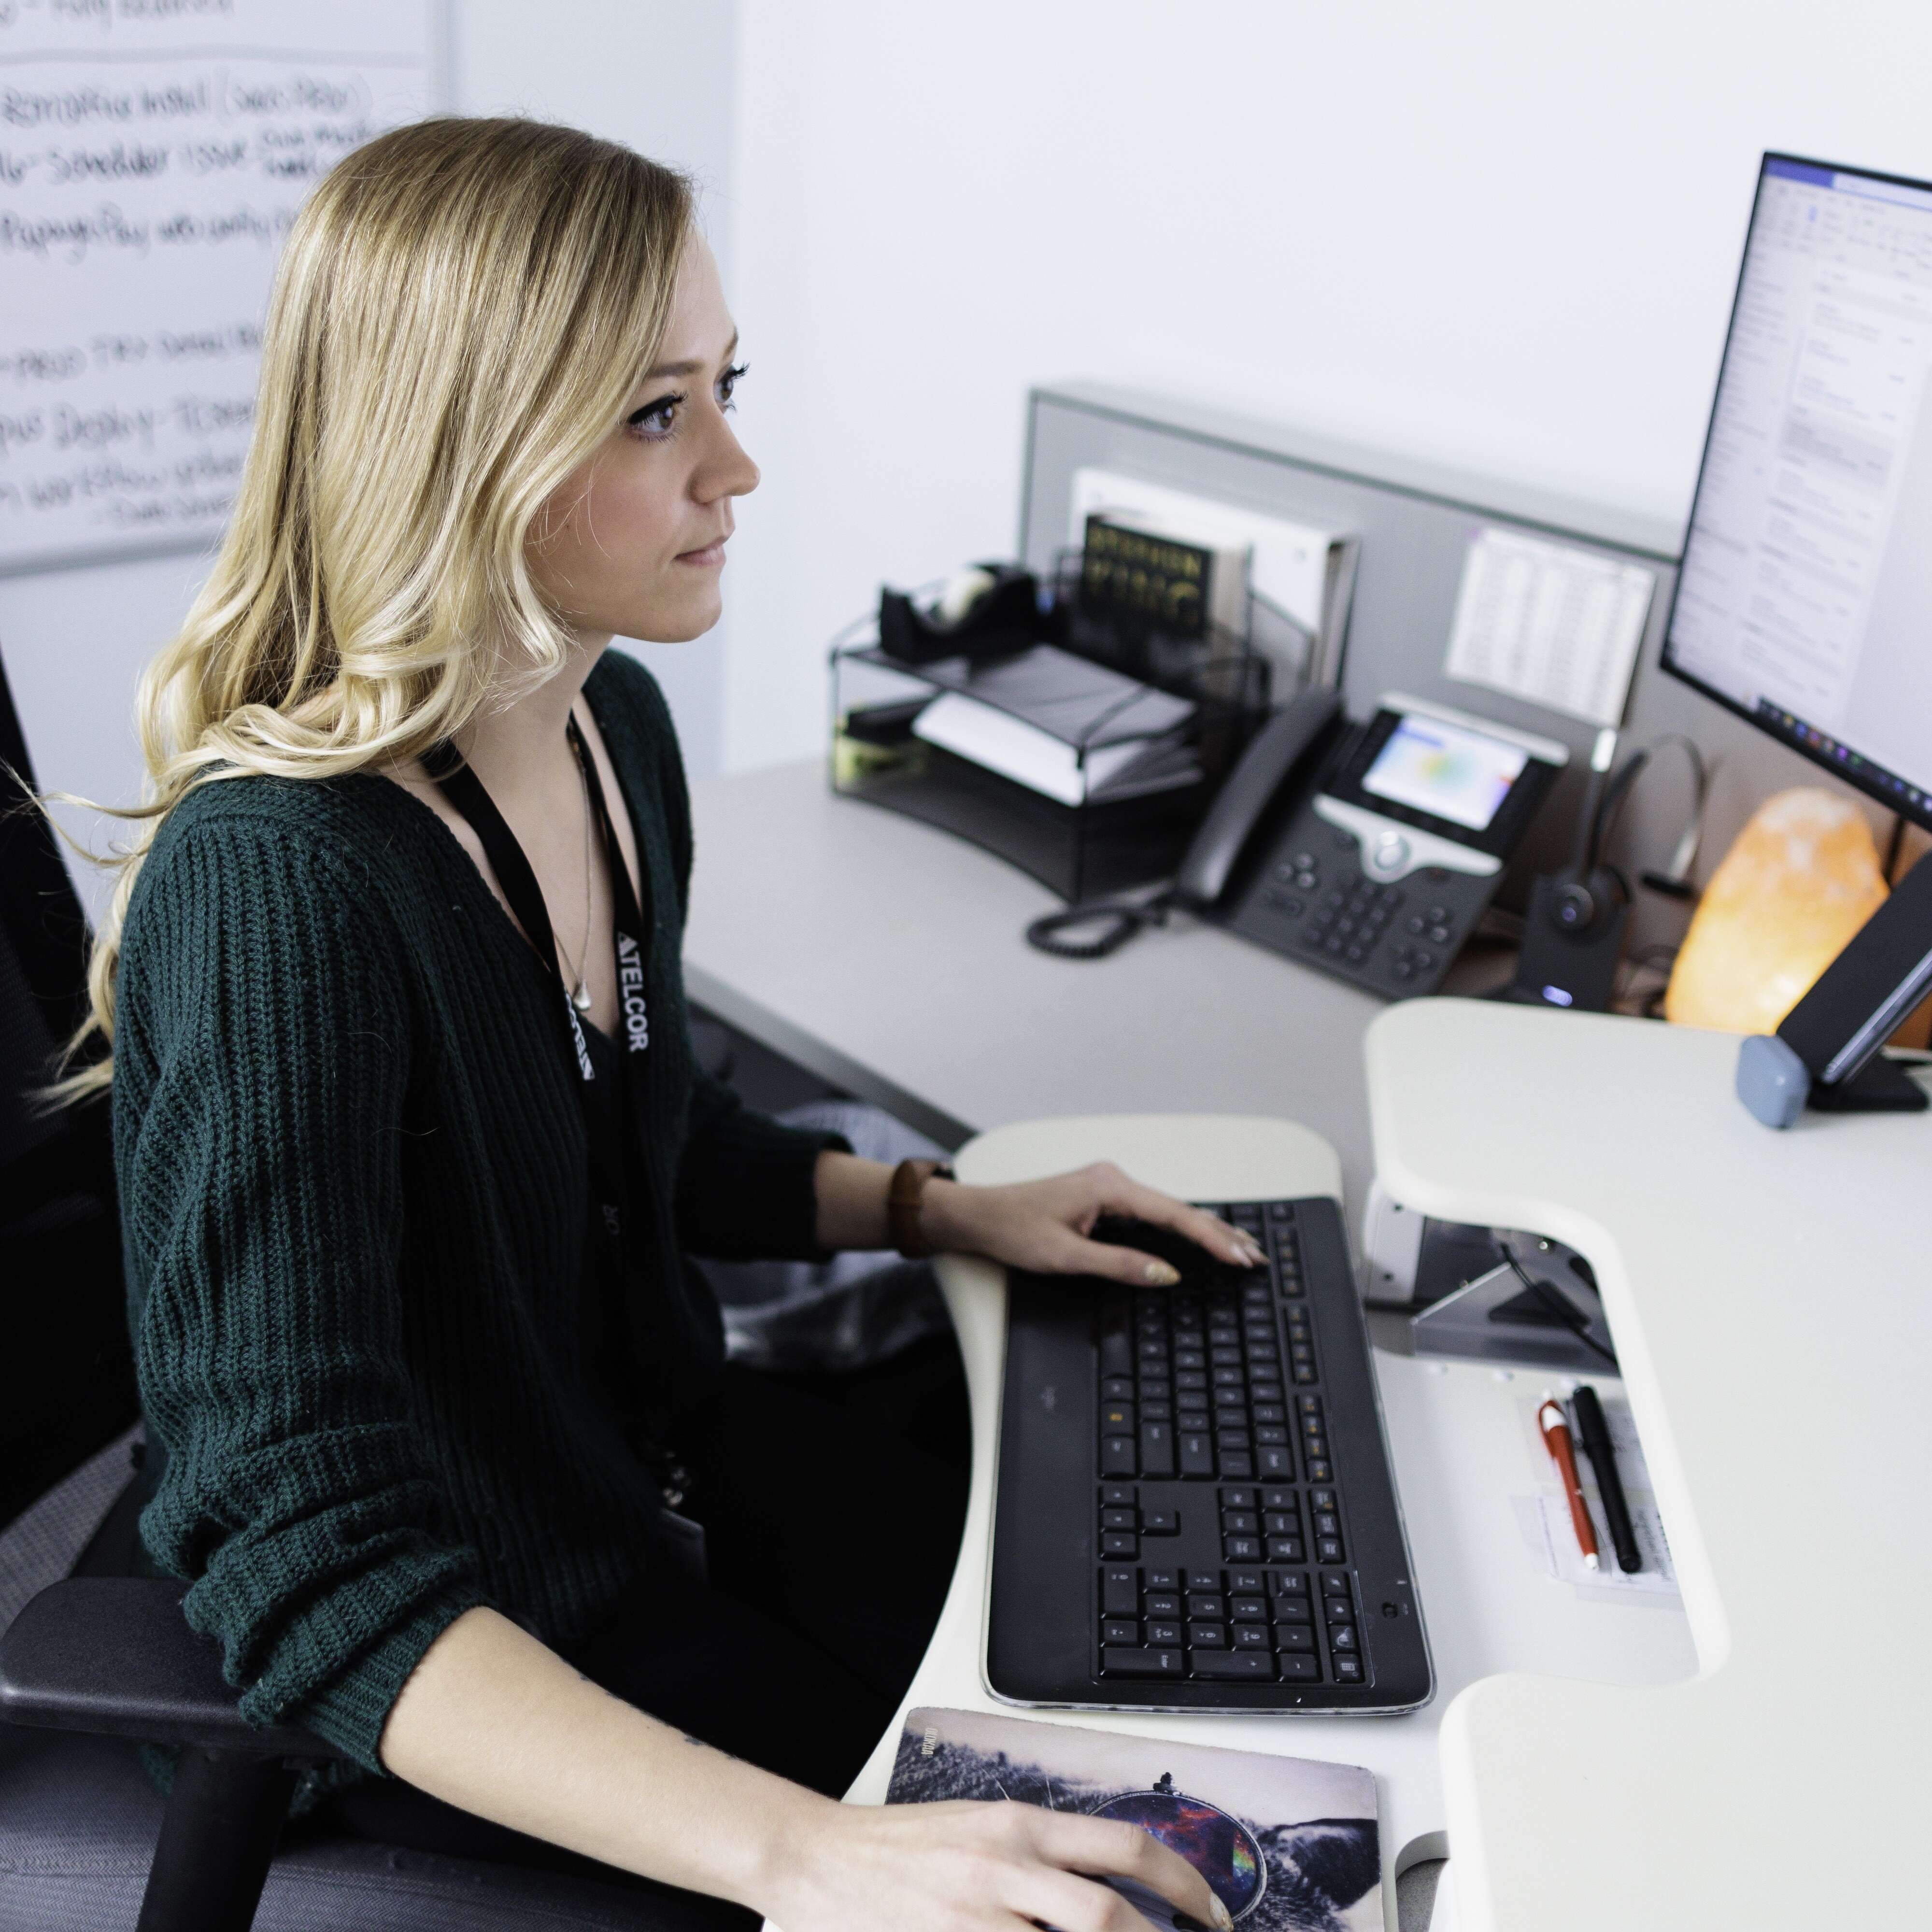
x: 1125, y: 1663
x: 1217, y: 1381
x: 1248, y: 1666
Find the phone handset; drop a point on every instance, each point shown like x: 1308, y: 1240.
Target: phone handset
x: 1300, y: 729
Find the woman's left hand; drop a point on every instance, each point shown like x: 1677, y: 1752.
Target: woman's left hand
x: 1046, y: 1226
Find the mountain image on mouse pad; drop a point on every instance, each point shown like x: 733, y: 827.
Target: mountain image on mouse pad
x: 1288, y: 1844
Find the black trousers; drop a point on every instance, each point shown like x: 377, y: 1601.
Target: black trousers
x: 831, y: 1507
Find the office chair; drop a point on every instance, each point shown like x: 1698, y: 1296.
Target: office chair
x: 91, y: 1663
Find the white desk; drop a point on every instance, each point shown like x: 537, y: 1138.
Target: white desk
x: 1768, y: 1293
x: 890, y: 959
x: 1462, y: 1458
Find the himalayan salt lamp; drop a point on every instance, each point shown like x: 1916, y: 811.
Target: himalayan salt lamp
x: 1802, y: 878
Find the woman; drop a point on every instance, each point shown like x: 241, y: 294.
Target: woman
x: 410, y: 1140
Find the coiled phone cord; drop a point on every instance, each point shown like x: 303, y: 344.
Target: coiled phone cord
x: 1118, y: 921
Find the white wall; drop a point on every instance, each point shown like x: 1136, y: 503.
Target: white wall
x: 1504, y: 232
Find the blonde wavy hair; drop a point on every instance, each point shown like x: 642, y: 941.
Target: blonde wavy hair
x: 461, y: 309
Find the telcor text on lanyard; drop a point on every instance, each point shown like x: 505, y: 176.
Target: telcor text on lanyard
x: 466, y: 791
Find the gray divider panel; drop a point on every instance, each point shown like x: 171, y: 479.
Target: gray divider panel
x: 1415, y: 520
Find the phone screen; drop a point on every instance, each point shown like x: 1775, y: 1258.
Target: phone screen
x: 1445, y: 770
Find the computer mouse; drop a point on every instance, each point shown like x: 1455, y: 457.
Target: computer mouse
x: 1192, y: 1262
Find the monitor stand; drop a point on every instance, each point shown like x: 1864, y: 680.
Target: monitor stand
x: 1881, y: 1086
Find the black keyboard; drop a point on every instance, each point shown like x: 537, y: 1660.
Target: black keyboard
x: 1196, y: 1509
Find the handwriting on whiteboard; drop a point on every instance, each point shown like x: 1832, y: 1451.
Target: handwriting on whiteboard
x: 153, y: 155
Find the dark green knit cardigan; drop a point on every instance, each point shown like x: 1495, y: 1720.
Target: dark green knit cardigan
x: 354, y: 1196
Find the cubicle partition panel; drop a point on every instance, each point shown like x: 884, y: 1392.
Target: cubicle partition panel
x: 1415, y: 521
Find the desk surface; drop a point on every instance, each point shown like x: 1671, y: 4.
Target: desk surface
x: 891, y: 959
x: 1463, y: 1456
x: 1767, y: 1294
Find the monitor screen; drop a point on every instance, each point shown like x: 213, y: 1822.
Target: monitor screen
x: 1804, y: 600
x: 1444, y: 770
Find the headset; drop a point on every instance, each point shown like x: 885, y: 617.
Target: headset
x: 1588, y: 887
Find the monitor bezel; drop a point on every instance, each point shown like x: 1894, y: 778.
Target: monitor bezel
x: 1919, y: 814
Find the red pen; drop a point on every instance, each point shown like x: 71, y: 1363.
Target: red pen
x: 1549, y: 1419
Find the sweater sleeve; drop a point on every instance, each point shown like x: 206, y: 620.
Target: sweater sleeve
x: 262, y: 1193
x: 744, y: 1187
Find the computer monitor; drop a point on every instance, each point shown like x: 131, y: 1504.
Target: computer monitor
x: 1804, y: 601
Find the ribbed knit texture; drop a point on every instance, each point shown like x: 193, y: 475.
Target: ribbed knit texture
x: 354, y: 1194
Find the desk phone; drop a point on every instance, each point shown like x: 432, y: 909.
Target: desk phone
x: 1370, y: 850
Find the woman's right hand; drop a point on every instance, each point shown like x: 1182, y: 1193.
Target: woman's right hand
x: 977, y: 1867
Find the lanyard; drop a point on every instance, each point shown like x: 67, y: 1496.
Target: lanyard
x: 465, y: 790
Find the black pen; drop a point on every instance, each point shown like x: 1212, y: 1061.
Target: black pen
x: 1595, y: 1433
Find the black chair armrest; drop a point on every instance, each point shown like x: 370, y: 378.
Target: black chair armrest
x: 115, y: 1655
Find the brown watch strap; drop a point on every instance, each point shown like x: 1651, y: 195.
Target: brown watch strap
x: 903, y: 1198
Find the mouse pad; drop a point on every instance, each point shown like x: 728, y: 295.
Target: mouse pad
x: 1288, y: 1844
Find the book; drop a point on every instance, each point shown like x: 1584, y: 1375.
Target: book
x: 1288, y: 1844
x: 1062, y: 726
x: 1302, y: 577
x: 1131, y: 567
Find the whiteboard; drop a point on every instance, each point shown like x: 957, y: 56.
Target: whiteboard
x: 152, y: 155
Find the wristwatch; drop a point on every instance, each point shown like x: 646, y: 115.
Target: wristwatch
x: 903, y: 1198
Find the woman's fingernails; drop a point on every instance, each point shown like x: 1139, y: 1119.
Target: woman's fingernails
x: 1159, y: 1275
x: 1223, y: 1919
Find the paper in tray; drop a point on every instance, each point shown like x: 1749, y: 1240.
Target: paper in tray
x: 1289, y: 1844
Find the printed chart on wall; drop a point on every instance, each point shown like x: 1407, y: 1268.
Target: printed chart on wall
x: 153, y: 154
